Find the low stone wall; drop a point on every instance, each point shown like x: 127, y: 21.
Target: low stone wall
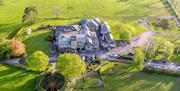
x: 162, y: 69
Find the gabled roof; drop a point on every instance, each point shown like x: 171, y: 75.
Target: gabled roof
x: 92, y: 24
x: 105, y: 28
x: 67, y: 28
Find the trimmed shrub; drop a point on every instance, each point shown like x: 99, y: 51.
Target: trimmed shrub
x: 125, y: 35
x: 38, y: 61
x: 70, y: 65
x: 50, y: 37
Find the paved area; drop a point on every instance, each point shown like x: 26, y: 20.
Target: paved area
x: 11, y: 61
x: 137, y: 41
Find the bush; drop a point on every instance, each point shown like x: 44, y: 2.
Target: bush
x: 5, y: 50
x: 138, y: 58
x: 38, y: 61
x: 70, y: 65
x: 50, y: 37
x: 12, y: 48
x: 162, y: 23
x: 125, y: 35
x: 161, y: 49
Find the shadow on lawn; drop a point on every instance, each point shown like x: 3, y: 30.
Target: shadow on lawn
x: 119, y: 79
x: 139, y: 81
x: 16, y: 79
x: 37, y: 42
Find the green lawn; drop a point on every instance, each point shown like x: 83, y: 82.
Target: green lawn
x: 122, y: 12
x: 131, y: 81
x: 16, y: 79
x: 12, y: 10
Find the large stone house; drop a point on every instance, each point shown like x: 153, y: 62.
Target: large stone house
x: 90, y: 35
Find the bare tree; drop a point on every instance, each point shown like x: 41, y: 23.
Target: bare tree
x: 1, y: 2
x: 56, y: 11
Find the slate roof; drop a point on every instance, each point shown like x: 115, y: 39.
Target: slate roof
x: 105, y: 28
x: 67, y: 28
x: 92, y: 24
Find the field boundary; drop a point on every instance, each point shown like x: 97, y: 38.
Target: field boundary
x: 174, y: 8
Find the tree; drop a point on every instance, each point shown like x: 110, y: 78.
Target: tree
x: 1, y: 2
x: 56, y: 11
x: 18, y: 48
x: 161, y: 49
x: 30, y: 14
x: 177, y: 46
x: 125, y: 35
x: 38, y: 61
x: 70, y: 65
x: 138, y: 58
x: 5, y: 50
x: 12, y: 48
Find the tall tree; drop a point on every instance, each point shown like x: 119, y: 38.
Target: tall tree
x: 38, y: 61
x: 12, y: 48
x: 30, y: 14
x: 70, y: 65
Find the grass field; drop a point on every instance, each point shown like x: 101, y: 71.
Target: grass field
x: 12, y: 10
x: 123, y: 10
x: 16, y: 79
x: 120, y: 14
x: 114, y: 80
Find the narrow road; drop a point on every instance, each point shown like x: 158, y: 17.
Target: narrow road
x: 137, y: 41
x: 11, y: 61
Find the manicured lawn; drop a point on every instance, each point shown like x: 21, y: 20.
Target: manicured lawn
x: 15, y: 79
x: 131, y: 81
x: 36, y: 41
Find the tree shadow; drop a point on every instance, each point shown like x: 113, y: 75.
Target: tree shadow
x: 16, y: 79
x: 140, y: 81
x: 120, y: 79
x: 37, y: 42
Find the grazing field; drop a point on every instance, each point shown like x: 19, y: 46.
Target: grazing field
x: 16, y: 79
x: 118, y: 78
x: 11, y: 11
x: 120, y: 14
